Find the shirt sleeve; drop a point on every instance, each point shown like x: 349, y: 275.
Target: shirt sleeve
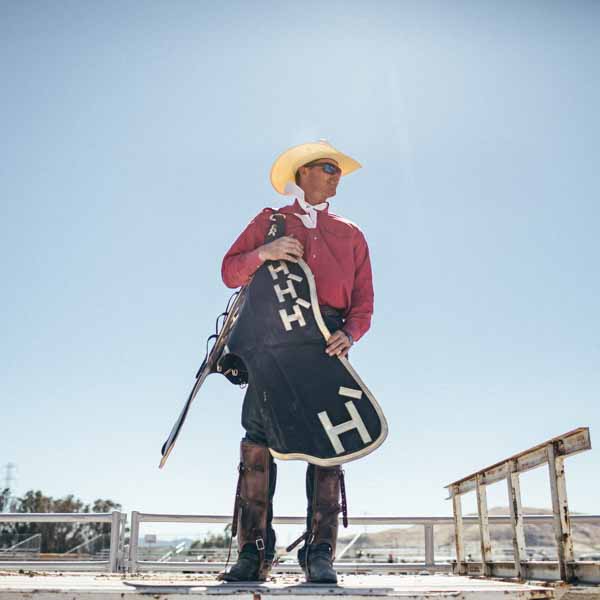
x: 358, y: 319
x: 242, y: 260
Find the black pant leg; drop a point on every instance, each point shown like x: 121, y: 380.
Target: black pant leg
x: 252, y: 420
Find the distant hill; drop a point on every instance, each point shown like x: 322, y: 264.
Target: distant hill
x: 586, y: 536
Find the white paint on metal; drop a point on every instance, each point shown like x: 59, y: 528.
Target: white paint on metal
x: 551, y: 452
x: 349, y: 545
x: 56, y: 517
x: 516, y: 516
x: 571, y: 443
x: 484, y: 525
x: 459, y: 542
x: 134, y: 535
x: 560, y: 509
x: 429, y: 546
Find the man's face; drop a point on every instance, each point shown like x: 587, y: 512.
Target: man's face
x: 317, y: 182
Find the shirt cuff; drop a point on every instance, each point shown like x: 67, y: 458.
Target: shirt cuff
x: 251, y: 263
x: 352, y: 330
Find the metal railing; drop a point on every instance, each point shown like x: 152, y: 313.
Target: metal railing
x: 551, y: 453
x: 117, y: 561
x: 430, y: 565
x: 116, y: 519
x: 24, y: 546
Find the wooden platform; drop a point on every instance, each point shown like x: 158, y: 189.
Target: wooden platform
x: 76, y: 586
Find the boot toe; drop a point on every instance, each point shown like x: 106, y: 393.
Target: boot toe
x: 319, y: 566
x: 245, y: 569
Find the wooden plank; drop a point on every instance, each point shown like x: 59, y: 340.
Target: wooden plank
x: 516, y: 517
x: 560, y: 509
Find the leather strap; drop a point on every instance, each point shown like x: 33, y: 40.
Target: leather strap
x: 276, y: 227
x: 344, y: 503
x: 236, y: 505
x: 304, y: 536
x: 328, y: 511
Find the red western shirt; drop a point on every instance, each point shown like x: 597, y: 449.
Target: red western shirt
x: 336, y: 252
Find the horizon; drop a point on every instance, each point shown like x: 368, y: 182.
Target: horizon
x: 137, y: 143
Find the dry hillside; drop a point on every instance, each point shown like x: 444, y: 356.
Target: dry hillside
x: 586, y: 536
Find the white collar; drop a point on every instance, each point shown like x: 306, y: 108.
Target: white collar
x: 310, y: 218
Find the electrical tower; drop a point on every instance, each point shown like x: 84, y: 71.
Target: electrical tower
x: 9, y: 482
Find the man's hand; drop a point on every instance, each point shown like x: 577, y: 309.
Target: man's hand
x: 283, y: 248
x: 338, y: 344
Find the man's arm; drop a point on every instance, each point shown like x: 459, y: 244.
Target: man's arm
x: 358, y: 319
x: 249, y: 251
x: 242, y: 259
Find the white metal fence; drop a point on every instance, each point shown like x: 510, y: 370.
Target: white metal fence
x: 127, y: 557
x: 122, y: 557
x: 113, y: 563
x: 588, y: 571
x: 551, y: 453
x: 428, y: 523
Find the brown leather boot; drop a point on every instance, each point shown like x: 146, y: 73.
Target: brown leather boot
x: 252, y: 515
x: 316, y: 558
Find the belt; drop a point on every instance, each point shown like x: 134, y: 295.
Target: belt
x: 329, y: 311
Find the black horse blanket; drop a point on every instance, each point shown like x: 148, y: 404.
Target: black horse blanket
x: 316, y: 407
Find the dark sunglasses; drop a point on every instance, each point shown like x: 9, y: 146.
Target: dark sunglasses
x: 327, y: 168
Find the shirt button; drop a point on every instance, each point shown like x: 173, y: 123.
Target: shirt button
x: 314, y: 256
x: 316, y: 238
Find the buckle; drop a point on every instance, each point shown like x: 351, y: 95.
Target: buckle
x: 260, y: 544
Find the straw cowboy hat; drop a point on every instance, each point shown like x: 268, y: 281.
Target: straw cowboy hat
x: 285, y: 166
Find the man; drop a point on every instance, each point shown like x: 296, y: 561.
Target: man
x: 337, y: 253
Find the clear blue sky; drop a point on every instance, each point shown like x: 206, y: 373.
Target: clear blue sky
x: 136, y: 141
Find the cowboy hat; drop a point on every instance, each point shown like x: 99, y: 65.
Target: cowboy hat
x: 285, y: 166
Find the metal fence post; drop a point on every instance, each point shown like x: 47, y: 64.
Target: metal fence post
x: 560, y: 508
x: 484, y: 526
x: 122, y: 566
x: 429, y: 546
x: 458, y: 531
x: 115, y: 536
x: 516, y: 519
x: 133, y: 541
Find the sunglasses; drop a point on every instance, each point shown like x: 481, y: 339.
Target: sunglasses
x: 327, y: 168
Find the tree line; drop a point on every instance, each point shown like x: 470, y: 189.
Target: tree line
x: 55, y: 537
